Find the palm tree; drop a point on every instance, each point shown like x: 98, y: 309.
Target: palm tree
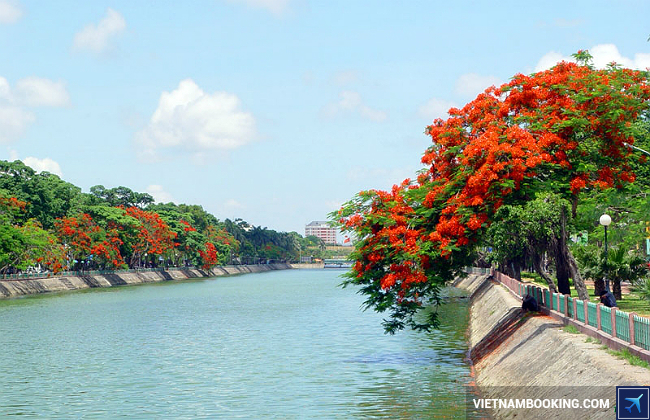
x: 620, y: 265
x: 623, y: 266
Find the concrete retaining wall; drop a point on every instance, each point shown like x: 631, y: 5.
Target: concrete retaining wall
x: 14, y: 288
x: 518, y: 355
x: 308, y: 266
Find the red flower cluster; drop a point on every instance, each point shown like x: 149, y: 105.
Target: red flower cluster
x: 85, y: 239
x: 154, y: 235
x: 568, y: 124
x: 12, y: 203
x: 188, y: 227
x: 209, y: 257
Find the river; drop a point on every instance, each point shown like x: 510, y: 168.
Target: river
x: 280, y: 344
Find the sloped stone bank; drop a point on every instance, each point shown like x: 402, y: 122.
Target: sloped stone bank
x: 518, y: 356
x: 67, y: 283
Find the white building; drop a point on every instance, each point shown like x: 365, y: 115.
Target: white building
x: 321, y: 230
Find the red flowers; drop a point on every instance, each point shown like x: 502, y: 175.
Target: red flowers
x: 154, y: 236
x: 567, y: 124
x: 188, y: 227
x: 85, y: 240
x: 12, y: 203
x: 209, y: 257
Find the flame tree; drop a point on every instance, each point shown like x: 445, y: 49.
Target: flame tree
x: 561, y: 130
x: 85, y: 240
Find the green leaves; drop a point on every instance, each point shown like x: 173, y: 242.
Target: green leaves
x: 495, y: 161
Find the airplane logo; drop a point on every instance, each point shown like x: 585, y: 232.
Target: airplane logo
x: 635, y: 403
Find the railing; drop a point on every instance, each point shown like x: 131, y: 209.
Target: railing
x: 628, y: 327
x: 641, y: 331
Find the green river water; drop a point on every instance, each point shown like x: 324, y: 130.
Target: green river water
x: 280, y: 344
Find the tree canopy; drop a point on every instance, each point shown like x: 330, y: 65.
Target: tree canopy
x: 45, y: 220
x: 561, y: 131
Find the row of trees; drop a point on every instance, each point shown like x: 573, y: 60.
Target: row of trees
x: 516, y: 171
x: 48, y: 222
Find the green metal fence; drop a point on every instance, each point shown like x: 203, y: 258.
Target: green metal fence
x: 580, y: 310
x: 592, y: 313
x: 642, y: 332
x: 564, y: 304
x: 623, y: 325
x: 606, y: 319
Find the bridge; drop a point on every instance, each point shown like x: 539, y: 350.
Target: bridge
x: 337, y: 263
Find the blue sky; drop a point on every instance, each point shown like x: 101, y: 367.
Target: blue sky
x: 275, y: 111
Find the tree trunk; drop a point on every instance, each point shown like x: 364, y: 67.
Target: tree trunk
x: 616, y: 288
x: 562, y: 269
x: 599, y: 286
x: 511, y: 268
x: 578, y: 282
x: 574, y: 206
x: 537, y: 265
x: 508, y: 270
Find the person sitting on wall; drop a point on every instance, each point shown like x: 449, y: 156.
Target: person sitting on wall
x: 607, y: 299
x: 529, y: 304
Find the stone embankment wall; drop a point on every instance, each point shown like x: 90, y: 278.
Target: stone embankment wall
x: 306, y: 266
x: 517, y: 355
x: 66, y: 283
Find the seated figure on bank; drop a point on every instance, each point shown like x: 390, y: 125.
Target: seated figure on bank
x: 529, y: 304
x: 607, y: 299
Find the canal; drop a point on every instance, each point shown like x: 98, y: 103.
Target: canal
x: 280, y: 344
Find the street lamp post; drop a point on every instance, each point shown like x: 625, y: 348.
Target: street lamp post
x: 636, y: 148
x: 605, y: 220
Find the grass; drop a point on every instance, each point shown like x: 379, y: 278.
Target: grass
x: 593, y: 340
x: 571, y: 329
x: 634, y: 303
x: 629, y: 357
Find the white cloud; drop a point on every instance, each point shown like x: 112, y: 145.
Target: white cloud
x: 97, y: 38
x: 5, y: 90
x: 549, y: 60
x: 343, y: 78
x: 15, y: 115
x: 607, y: 53
x: 277, y: 7
x: 43, y: 165
x: 159, y: 194
x: 351, y: 102
x: 436, y: 108
x: 190, y: 119
x: 10, y: 12
x: 471, y: 84
x: 13, y: 122
x: 603, y: 54
x: 36, y: 91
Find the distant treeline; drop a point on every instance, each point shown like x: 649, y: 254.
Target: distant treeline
x: 47, y: 223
